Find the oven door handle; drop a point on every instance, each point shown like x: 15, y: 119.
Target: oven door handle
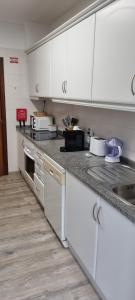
x: 27, y: 153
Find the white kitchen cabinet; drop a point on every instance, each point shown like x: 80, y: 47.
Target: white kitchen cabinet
x: 59, y: 55
x: 81, y: 227
x: 72, y: 61
x: 114, y: 54
x: 39, y: 67
x: 80, y: 48
x: 33, y: 59
x: 115, y: 270
x: 45, y: 70
x: 21, y: 145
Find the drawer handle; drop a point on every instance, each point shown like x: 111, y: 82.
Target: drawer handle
x: 38, y: 176
x: 39, y: 155
x: 39, y: 166
x: 51, y: 172
x: 37, y: 190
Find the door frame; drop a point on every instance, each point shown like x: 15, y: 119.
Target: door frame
x: 3, y: 108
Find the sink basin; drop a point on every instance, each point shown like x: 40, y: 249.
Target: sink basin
x: 114, y: 174
x: 126, y: 192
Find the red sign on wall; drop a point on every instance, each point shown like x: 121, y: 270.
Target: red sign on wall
x: 21, y: 114
x: 14, y: 60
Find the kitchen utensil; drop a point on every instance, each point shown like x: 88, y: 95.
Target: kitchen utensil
x: 74, y: 121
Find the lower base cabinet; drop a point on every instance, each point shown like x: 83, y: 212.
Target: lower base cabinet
x: 39, y: 189
x: 82, y: 229
x: 115, y: 268
x: 103, y: 240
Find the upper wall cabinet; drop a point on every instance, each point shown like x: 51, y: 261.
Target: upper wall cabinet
x: 59, y: 54
x: 114, y: 59
x: 32, y: 72
x: 80, y: 59
x: 73, y: 61
x: 39, y: 64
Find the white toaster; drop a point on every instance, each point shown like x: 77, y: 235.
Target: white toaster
x: 97, y: 146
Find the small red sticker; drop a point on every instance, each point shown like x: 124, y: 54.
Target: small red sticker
x: 14, y: 60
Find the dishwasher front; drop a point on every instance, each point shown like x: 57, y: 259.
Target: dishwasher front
x: 54, y: 198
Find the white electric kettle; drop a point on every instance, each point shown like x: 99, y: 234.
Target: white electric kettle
x: 113, y: 150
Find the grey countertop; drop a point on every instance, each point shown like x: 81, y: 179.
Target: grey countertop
x: 78, y: 164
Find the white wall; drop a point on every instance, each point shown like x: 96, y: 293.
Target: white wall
x: 14, y: 39
x: 21, y: 36
x: 16, y: 96
x: 12, y: 36
x: 104, y: 122
x: 34, y: 32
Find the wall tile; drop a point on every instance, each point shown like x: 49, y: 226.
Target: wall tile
x: 104, y: 122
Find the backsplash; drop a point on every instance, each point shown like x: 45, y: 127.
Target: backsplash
x: 104, y: 122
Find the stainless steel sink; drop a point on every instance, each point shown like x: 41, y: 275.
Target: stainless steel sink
x: 126, y: 192
x: 114, y: 174
x: 119, y: 178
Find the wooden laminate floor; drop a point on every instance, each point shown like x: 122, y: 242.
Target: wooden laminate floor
x: 33, y: 264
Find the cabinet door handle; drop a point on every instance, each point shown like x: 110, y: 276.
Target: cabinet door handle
x: 37, y: 88
x: 98, y: 215
x: 63, y: 87
x: 132, y: 85
x: 93, y: 212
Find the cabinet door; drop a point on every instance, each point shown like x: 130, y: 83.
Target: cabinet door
x: 80, y: 59
x: 33, y: 59
x: 115, y: 271
x: 44, y: 70
x: 39, y: 189
x: 59, y: 49
x: 81, y: 228
x: 53, y: 202
x: 114, y: 66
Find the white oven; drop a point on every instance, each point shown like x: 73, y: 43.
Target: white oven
x: 39, y: 177
x: 29, y: 165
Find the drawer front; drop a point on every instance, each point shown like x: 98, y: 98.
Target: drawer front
x: 39, y: 160
x: 60, y: 177
x: 39, y: 173
x: 39, y: 189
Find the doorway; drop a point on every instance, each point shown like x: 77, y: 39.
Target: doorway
x: 3, y: 131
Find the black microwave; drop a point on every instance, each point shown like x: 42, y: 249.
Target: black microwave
x: 74, y: 141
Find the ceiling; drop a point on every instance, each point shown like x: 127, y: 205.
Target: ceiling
x: 39, y: 11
